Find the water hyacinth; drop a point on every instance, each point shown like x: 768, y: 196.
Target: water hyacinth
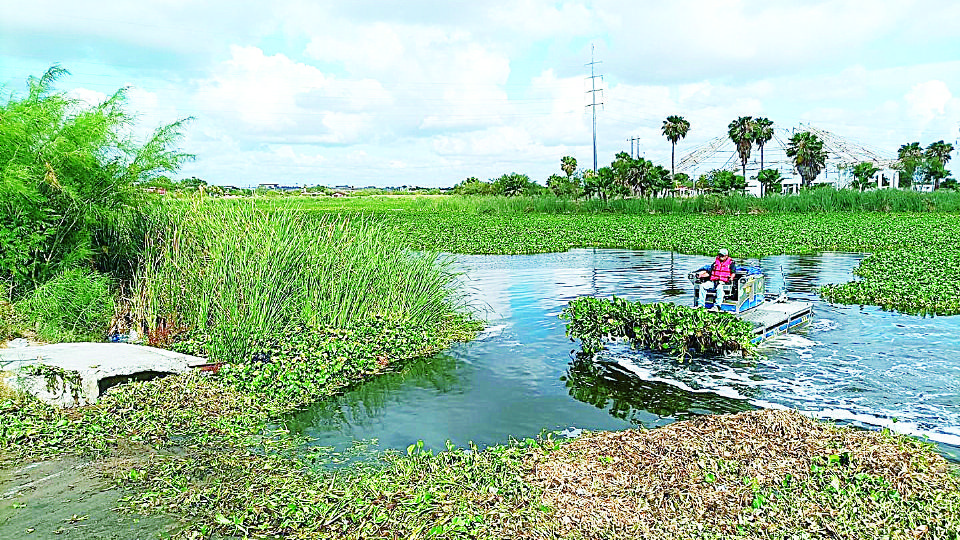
x: 660, y: 326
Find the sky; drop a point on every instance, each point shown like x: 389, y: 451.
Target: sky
x: 430, y: 92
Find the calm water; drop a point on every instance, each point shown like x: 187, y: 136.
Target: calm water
x: 522, y: 376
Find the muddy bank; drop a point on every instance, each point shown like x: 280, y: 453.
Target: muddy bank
x: 68, y: 498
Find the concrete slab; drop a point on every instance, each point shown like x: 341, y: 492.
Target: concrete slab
x: 76, y: 374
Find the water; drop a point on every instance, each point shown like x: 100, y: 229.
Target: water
x: 522, y: 375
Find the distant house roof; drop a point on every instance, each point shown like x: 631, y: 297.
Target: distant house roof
x: 269, y: 186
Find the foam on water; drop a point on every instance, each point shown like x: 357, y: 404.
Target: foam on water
x: 789, y: 341
x: 647, y: 375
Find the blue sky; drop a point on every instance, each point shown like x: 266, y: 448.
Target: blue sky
x: 431, y: 92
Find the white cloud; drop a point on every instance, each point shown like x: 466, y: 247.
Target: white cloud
x: 441, y: 79
x: 928, y: 100
x: 428, y: 92
x: 274, y: 95
x: 87, y: 97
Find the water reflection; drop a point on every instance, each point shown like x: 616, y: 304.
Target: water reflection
x: 650, y: 403
x: 371, y: 400
x: 675, y: 284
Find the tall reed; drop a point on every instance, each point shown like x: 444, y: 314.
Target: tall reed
x: 236, y: 274
x: 76, y: 305
x: 812, y: 201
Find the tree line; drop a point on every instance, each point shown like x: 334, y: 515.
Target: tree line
x: 637, y: 176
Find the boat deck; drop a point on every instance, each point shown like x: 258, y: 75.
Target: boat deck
x: 773, y: 318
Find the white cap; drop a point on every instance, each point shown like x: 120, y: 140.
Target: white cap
x: 724, y: 252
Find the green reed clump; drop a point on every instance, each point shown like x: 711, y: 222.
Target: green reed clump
x: 660, y: 326
x: 76, y: 305
x: 811, y: 201
x: 235, y: 275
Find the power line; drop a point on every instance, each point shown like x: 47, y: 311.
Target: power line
x: 593, y: 102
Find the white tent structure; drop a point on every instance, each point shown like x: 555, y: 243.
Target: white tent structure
x: 842, y: 155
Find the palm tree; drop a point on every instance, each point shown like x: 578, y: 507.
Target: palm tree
x: 674, y: 128
x: 762, y: 133
x: 863, y: 174
x: 770, y: 181
x: 808, y: 155
x: 909, y: 159
x: 938, y: 154
x: 940, y: 151
x: 568, y: 164
x: 741, y: 133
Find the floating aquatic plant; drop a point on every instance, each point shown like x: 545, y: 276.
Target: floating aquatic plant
x: 660, y: 326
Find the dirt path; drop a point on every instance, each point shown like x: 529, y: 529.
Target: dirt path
x: 67, y: 499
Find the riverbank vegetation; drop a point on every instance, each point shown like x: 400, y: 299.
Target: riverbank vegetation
x: 197, y: 450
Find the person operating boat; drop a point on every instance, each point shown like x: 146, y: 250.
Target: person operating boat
x: 717, y: 275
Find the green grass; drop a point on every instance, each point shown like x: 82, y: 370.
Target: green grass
x: 76, y: 305
x: 813, y: 201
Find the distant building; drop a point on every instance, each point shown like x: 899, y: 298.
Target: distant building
x: 268, y: 186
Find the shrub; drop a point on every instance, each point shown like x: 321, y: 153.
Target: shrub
x: 66, y: 171
x: 74, y: 306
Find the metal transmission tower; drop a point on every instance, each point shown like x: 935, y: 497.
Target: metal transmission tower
x: 593, y: 102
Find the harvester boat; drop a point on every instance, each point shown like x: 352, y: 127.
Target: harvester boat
x: 745, y: 296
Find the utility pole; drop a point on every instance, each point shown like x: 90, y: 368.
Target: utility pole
x: 633, y: 154
x: 593, y: 102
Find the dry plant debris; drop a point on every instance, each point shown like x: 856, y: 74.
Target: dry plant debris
x: 758, y: 474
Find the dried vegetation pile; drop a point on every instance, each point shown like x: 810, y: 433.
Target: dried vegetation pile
x: 759, y: 474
